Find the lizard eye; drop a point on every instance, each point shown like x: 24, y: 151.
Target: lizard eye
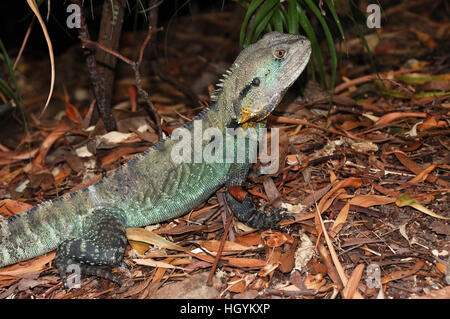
x: 256, y: 82
x: 279, y: 53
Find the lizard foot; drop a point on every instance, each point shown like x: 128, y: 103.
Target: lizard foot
x: 102, y: 243
x: 247, y: 213
x: 67, y: 266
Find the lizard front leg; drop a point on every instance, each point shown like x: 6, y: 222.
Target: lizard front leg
x: 102, y: 243
x: 243, y: 208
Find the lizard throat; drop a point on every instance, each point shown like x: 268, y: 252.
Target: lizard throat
x: 256, y: 114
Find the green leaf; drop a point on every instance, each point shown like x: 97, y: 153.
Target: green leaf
x: 330, y: 5
x: 317, y: 54
x: 277, y: 20
x: 4, y: 87
x: 330, y: 42
x: 14, y: 89
x: 292, y: 17
x: 264, y: 22
x: 259, y: 17
x: 251, y: 8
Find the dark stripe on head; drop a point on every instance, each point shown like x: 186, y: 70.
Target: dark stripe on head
x: 255, y: 82
x: 245, y: 91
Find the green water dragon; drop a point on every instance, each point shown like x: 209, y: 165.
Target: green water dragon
x: 87, y: 227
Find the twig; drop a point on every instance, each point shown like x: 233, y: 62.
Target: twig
x: 368, y: 78
x: 135, y: 65
x: 220, y: 250
x: 100, y: 46
x: 288, y: 293
x: 96, y: 78
x: 24, y: 42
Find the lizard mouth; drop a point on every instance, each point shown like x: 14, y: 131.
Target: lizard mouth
x: 256, y: 114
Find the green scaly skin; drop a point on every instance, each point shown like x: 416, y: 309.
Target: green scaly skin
x: 87, y: 227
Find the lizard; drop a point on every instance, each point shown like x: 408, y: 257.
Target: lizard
x: 88, y: 227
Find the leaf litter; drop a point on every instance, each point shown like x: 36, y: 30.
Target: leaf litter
x: 367, y: 186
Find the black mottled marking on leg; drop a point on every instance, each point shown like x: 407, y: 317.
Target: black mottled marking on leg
x: 246, y: 211
x: 102, y: 243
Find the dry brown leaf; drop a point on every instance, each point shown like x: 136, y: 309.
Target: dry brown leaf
x: 268, y: 269
x: 33, y: 265
x: 160, y: 272
x: 440, y: 267
x: 287, y: 258
x: 340, y: 220
x: 62, y: 128
x: 443, y: 293
x: 155, y: 263
x: 314, y: 281
x: 419, y: 178
x: 428, y: 124
x: 252, y: 239
x: 371, y: 200
x: 213, y: 245
x: 403, y: 273
x: 275, y: 239
x: 139, y: 246
x: 349, y: 182
x: 237, y: 192
x: 10, y: 207
x: 16, y: 156
x: 324, y: 203
x: 390, y: 117
x: 416, y: 169
x: 353, y: 281
x: 143, y: 235
x: 118, y: 153
x: 35, y: 9
x: 236, y: 285
x: 245, y: 262
x: 62, y: 174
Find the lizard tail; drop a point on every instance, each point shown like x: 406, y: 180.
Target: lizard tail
x: 37, y: 231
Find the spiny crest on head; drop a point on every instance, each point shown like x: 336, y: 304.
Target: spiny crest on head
x: 227, y: 73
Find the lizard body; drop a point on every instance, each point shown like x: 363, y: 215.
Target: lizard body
x: 87, y: 227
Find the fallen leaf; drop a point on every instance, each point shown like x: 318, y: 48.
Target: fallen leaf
x: 390, y: 117
x: 9, y: 207
x: 371, y: 200
x: 236, y: 285
x: 245, y: 262
x: 314, y: 281
x: 62, y: 128
x: 340, y: 220
x: 405, y: 200
x: 16, y: 156
x: 155, y: 263
x: 213, y: 245
x: 35, y: 264
x: 276, y: 239
x: 268, y: 269
x: 416, y: 169
x: 143, y: 235
x: 403, y: 273
x: 443, y: 293
x: 353, y: 281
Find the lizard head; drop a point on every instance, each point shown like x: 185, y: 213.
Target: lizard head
x: 263, y: 72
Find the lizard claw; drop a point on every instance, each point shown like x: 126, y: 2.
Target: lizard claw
x: 271, y: 219
x: 246, y: 212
